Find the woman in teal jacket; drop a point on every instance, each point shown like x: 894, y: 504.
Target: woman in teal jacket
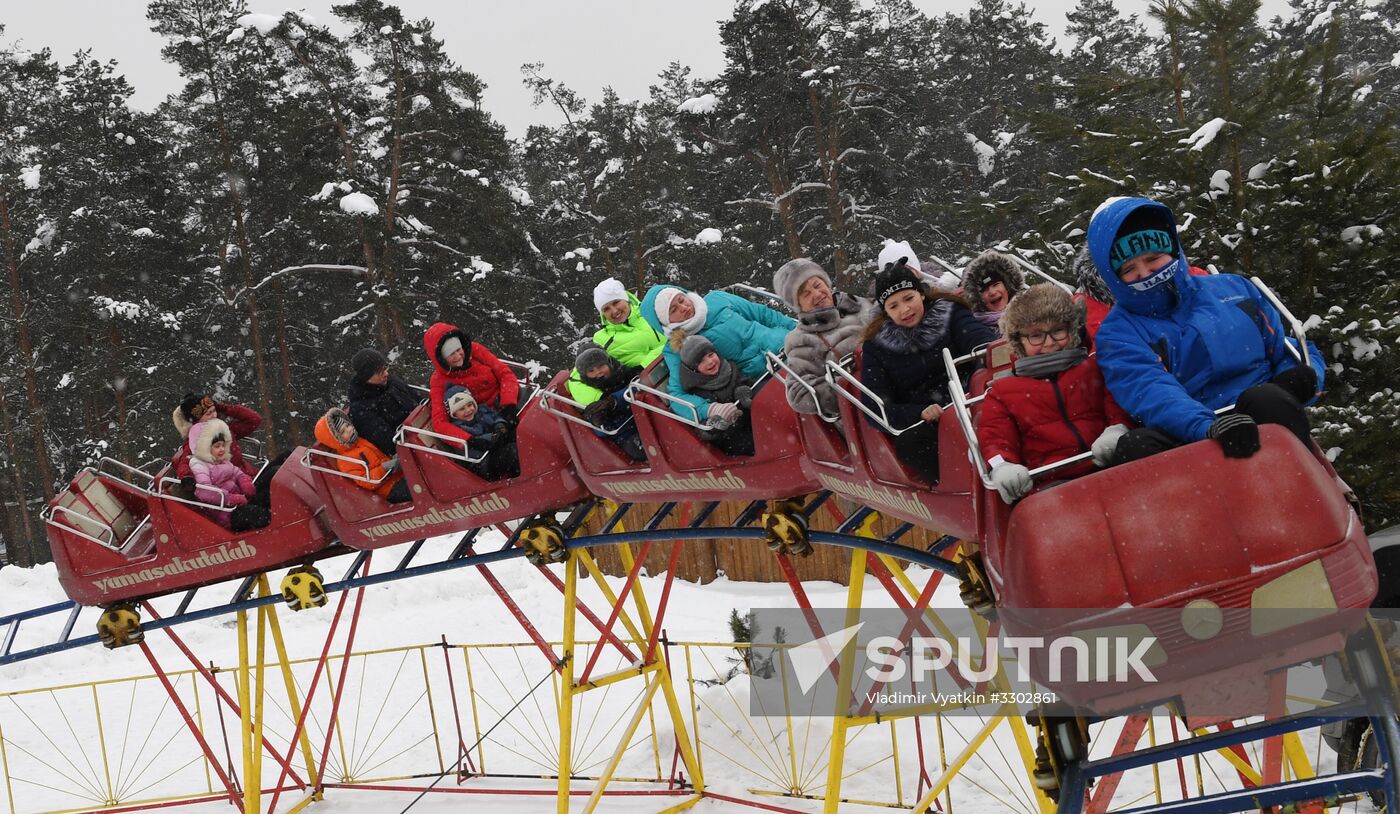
x: 741, y: 332
x: 625, y: 335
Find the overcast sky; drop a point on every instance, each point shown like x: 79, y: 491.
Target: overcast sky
x: 587, y: 44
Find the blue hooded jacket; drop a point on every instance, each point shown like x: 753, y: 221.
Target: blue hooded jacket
x: 1175, y: 353
x: 739, y: 329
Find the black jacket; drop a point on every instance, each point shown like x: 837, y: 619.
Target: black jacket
x: 378, y: 410
x: 911, y: 377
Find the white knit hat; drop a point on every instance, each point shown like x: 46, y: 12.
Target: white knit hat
x: 607, y: 291
x: 459, y: 399
x: 892, y: 251
x: 662, y: 303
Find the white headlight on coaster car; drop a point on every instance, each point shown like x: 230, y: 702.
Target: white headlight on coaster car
x: 1299, y: 596
x: 1202, y: 619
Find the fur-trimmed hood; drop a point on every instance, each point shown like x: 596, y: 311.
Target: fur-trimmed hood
x: 987, y: 269
x: 439, y: 333
x: 202, y: 436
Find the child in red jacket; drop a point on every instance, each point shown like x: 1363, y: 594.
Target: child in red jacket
x: 458, y: 360
x: 1055, y: 405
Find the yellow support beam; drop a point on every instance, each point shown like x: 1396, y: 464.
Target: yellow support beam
x: 643, y: 704
x: 244, y: 704
x: 293, y: 698
x: 566, y: 689
x: 836, y: 761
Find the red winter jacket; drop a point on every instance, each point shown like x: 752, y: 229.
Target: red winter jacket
x: 241, y: 421
x: 487, y: 377
x: 1035, y: 422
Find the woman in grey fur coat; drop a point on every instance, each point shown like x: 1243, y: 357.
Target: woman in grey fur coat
x: 829, y: 326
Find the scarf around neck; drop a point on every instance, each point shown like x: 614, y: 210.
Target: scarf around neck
x: 718, y: 387
x: 1045, y: 365
x: 930, y: 333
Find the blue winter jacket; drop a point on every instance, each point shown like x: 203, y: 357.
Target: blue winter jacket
x: 1174, y: 354
x: 739, y: 329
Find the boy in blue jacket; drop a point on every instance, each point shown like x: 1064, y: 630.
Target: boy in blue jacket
x: 1176, y: 347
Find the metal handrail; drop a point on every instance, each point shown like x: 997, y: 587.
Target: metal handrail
x: 1299, y: 333
x: 258, y: 452
x: 630, y: 395
x: 546, y: 396
x: 761, y: 292
x: 1036, y: 270
x: 882, y: 419
x: 310, y: 451
x: 48, y: 517
x: 401, y: 440
x: 959, y: 396
x: 131, y: 470
x: 165, y: 495
x: 775, y: 361
x: 952, y: 269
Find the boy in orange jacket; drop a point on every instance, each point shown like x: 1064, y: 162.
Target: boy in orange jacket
x: 337, y: 433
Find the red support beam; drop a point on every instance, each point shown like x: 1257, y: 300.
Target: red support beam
x: 616, y: 609
x: 231, y: 702
x: 338, y: 691
x: 232, y: 796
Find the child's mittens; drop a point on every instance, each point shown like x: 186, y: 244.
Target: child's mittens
x: 245, y: 484
x: 234, y: 499
x: 723, y: 415
x: 1012, y: 481
x: 1105, y: 447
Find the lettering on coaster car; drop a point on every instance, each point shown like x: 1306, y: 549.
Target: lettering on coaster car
x: 434, y: 516
x: 878, y: 496
x: 671, y: 483
x: 179, y: 565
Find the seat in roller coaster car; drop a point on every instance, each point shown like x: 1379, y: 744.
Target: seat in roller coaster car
x: 864, y: 468
x: 679, y: 465
x: 113, y: 541
x: 448, y: 497
x: 1271, y: 541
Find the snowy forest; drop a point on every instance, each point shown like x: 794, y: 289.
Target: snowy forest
x: 307, y: 194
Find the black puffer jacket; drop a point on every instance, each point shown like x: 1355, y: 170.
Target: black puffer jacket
x: 904, y: 366
x: 378, y: 410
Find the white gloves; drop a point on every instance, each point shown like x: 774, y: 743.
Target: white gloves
x: 1012, y: 481
x: 1105, y: 447
x: 723, y: 415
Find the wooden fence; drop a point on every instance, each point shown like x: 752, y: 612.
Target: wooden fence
x: 747, y: 560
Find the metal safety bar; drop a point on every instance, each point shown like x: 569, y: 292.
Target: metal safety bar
x: 964, y: 416
x: 1037, y: 271
x: 546, y: 397
x: 400, y: 439
x: 1300, y: 353
x: 130, y: 470
x: 881, y: 419
x: 630, y: 394
x: 164, y: 494
x: 48, y: 517
x: 776, y: 363
x: 758, y: 292
x: 310, y: 451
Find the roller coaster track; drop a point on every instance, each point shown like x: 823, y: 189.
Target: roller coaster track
x: 463, y: 556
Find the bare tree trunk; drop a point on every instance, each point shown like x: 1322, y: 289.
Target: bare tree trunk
x: 390, y: 256
x: 828, y: 139
x: 781, y: 188
x: 26, y: 352
x: 25, y: 530
x: 244, y: 244
x: 383, y: 318
x: 288, y: 391
x: 119, y: 381
x: 1169, y: 16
